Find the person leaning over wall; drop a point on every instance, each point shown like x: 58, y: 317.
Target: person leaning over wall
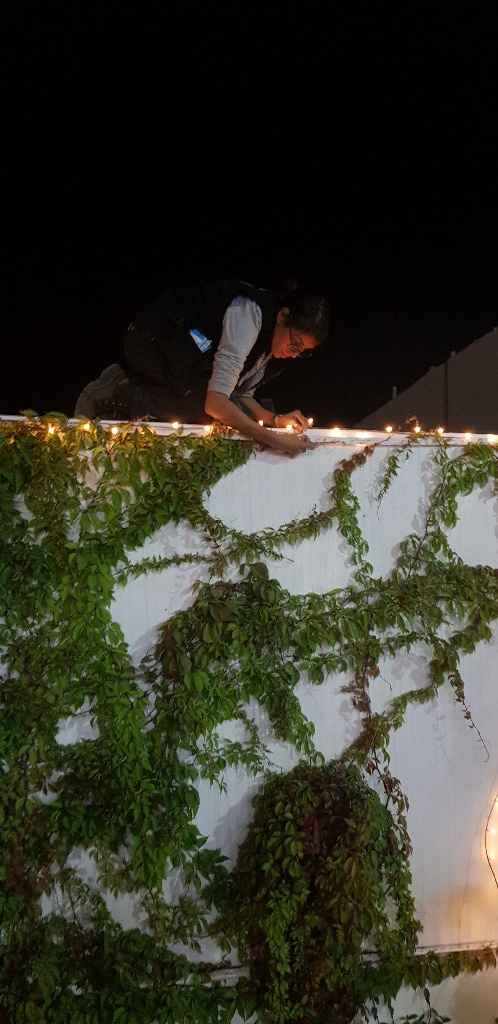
x: 175, y: 369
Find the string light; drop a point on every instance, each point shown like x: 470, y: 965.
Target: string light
x: 289, y: 428
x: 440, y: 431
x: 175, y: 424
x: 261, y: 423
x: 417, y: 429
x: 51, y: 429
x: 389, y: 429
x: 85, y: 426
x: 310, y: 421
x: 208, y: 428
x: 114, y: 430
x: 467, y: 436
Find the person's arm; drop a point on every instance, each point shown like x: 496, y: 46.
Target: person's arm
x: 221, y: 408
x: 241, y: 326
x: 257, y: 411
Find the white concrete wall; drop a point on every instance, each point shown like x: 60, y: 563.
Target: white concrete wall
x: 442, y: 766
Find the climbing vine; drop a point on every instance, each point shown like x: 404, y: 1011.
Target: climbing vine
x: 76, y: 502
x: 312, y: 885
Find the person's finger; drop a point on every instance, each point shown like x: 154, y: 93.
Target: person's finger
x: 293, y: 448
x: 304, y: 442
x: 303, y: 445
x: 290, y: 421
x: 300, y: 418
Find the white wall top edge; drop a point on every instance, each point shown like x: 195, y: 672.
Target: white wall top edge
x: 337, y: 435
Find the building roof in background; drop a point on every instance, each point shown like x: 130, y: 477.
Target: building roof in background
x: 459, y: 394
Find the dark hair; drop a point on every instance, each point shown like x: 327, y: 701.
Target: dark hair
x: 309, y: 313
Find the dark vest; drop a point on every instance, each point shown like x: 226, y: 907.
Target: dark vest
x: 169, y: 320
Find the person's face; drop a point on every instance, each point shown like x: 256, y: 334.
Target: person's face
x: 288, y: 342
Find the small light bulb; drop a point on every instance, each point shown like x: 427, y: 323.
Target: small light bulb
x: 85, y: 426
x: 175, y: 424
x: 51, y: 429
x: 467, y: 436
x: 417, y: 429
x: 208, y: 428
x: 261, y: 423
x: 389, y: 429
x: 440, y: 430
x: 289, y: 428
x: 114, y: 430
x: 310, y: 421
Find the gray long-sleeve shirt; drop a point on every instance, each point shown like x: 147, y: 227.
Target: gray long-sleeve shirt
x: 241, y: 327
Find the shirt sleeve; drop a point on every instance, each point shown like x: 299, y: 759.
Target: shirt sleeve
x: 241, y: 326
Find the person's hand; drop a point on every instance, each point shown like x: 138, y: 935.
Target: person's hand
x: 294, y: 419
x: 290, y: 444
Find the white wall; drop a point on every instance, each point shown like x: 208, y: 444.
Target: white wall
x: 438, y: 758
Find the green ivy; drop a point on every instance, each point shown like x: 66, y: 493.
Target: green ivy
x: 74, y: 505
x: 314, y: 878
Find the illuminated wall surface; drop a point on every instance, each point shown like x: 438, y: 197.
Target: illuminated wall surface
x: 450, y: 782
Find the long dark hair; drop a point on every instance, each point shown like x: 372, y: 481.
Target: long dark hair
x: 308, y: 312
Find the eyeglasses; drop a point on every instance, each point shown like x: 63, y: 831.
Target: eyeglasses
x: 296, y: 344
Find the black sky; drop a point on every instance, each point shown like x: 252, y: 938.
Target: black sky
x: 352, y: 149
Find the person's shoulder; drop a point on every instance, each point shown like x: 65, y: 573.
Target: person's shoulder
x: 246, y: 307
x: 244, y: 302
x: 267, y: 300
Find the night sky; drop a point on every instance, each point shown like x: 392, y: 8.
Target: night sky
x: 353, y: 151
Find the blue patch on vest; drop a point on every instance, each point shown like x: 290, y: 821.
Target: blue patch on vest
x: 200, y: 339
